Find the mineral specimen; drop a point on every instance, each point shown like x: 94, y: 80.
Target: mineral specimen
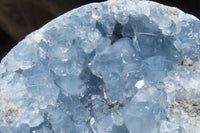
x: 112, y: 67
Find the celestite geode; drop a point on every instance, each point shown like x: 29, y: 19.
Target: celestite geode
x: 112, y: 67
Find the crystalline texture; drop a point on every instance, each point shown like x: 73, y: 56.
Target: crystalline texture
x: 117, y: 66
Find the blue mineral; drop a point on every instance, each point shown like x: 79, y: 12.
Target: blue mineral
x: 113, y: 67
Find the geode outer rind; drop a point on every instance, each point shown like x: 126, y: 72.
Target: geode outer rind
x: 116, y: 66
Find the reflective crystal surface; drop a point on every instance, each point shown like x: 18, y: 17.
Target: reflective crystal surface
x: 112, y: 67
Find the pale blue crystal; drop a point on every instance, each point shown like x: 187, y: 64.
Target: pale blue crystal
x: 113, y: 67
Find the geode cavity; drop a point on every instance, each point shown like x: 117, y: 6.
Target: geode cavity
x: 112, y: 67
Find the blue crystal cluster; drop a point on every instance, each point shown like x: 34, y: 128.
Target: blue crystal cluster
x: 113, y: 67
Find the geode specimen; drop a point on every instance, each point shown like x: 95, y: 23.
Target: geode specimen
x: 112, y: 67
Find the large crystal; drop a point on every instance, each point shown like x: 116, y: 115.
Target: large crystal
x: 112, y: 67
